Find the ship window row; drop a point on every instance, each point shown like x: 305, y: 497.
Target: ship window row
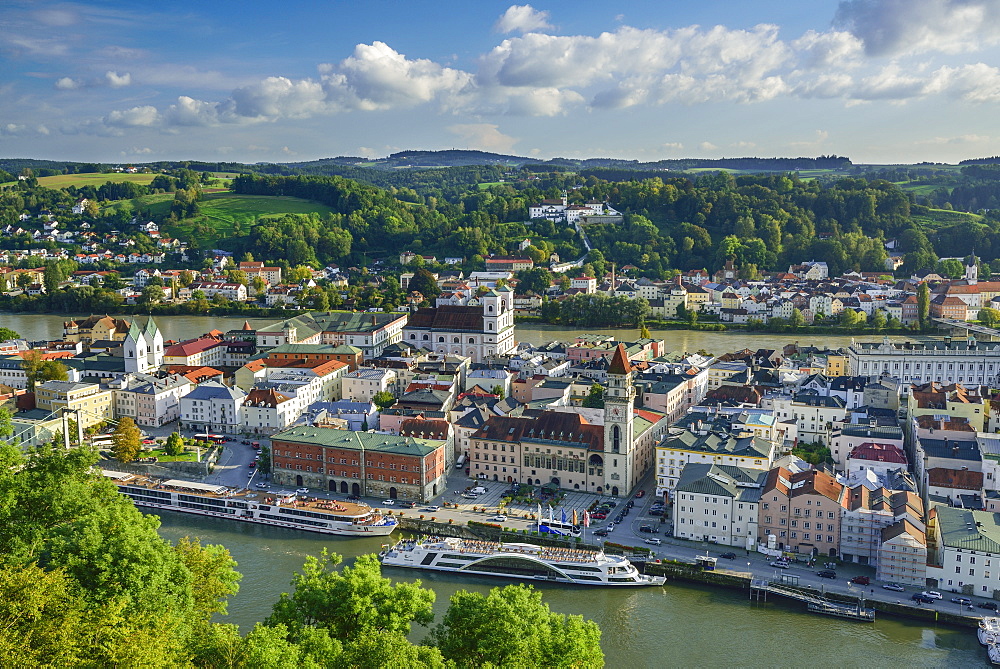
x: 147, y: 492
x: 204, y: 507
x: 564, y: 568
x: 450, y: 564
x: 615, y: 579
x: 584, y: 577
x: 302, y: 521
x: 201, y: 500
x: 452, y: 556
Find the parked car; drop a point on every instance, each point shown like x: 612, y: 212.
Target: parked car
x: 261, y: 486
x: 500, y: 518
x: 389, y: 502
x: 601, y: 533
x: 649, y: 529
x: 653, y: 541
x: 895, y: 587
x: 598, y: 516
x: 827, y: 573
x: 861, y: 580
x: 728, y: 556
x: 933, y: 594
x: 353, y: 498
x: 964, y: 601
x: 992, y: 606
x: 410, y: 505
x: 252, y: 465
x: 610, y: 527
x: 656, y: 512
x: 780, y: 564
x: 302, y: 491
x: 434, y: 508
x: 922, y: 598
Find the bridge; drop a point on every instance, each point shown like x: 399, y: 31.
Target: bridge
x: 814, y: 603
x: 981, y: 332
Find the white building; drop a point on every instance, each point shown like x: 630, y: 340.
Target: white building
x: 149, y: 400
x: 963, y: 361
x: 481, y: 330
x: 718, y: 503
x: 212, y: 407
x: 814, y: 415
x: 681, y: 447
x: 966, y: 555
x: 266, y: 411
x: 363, y: 384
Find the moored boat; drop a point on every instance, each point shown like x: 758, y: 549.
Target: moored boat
x: 284, y: 509
x: 517, y: 560
x: 993, y: 651
x: 989, y: 630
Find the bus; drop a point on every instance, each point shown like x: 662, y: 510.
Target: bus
x: 559, y: 527
x: 214, y: 438
x: 460, y: 462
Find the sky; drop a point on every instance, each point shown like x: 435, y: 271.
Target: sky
x: 879, y: 81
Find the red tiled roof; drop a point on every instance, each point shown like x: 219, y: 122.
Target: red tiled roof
x: 878, y: 453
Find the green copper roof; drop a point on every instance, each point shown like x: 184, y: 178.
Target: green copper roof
x: 358, y: 441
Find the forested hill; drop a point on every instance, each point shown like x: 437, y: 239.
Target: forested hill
x: 766, y: 222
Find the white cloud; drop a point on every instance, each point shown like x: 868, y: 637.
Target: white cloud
x: 707, y: 146
x: 892, y: 27
x: 744, y: 145
x: 673, y: 146
x: 813, y: 144
x: 136, y: 151
x: 67, y: 84
x: 483, y: 136
x: 116, y: 80
x: 523, y: 19
x: 143, y: 116
x: 835, y: 49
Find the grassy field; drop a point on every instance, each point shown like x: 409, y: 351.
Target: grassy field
x: 93, y: 179
x: 940, y: 218
x: 222, y: 210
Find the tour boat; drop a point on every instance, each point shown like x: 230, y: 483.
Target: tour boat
x: 989, y: 630
x: 516, y: 560
x: 993, y: 650
x: 284, y: 509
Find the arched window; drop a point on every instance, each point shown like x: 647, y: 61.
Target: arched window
x: 491, y: 308
x: 490, y: 326
x: 426, y: 337
x: 413, y: 336
x: 616, y: 438
x: 472, y: 340
x: 456, y: 340
x: 440, y: 340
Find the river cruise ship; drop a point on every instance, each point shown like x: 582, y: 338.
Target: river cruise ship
x: 278, y: 509
x: 526, y: 562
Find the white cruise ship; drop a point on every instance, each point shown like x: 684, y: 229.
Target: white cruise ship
x: 989, y: 631
x: 277, y: 509
x: 516, y: 560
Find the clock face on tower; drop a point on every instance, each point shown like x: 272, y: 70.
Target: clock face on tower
x: 616, y: 412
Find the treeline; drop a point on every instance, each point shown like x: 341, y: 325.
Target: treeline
x: 596, y: 310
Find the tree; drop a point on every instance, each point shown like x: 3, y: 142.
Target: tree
x: 424, y: 283
x: 264, y: 460
x: 127, y: 441
x: 175, y: 444
x: 595, y: 398
x: 497, y: 390
x: 350, y: 602
x: 537, y: 280
x: 531, y: 635
x: 38, y: 370
x: 878, y: 320
x: 989, y: 316
x: 923, y: 305
x: 797, y: 319
x: 383, y: 399
x: 6, y: 334
x: 151, y: 295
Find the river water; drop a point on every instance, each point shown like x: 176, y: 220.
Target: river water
x: 677, y: 625
x: 38, y: 327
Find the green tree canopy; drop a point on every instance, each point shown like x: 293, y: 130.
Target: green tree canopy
x: 127, y: 441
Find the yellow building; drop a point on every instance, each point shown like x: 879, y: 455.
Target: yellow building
x: 93, y: 403
x: 96, y: 328
x: 836, y: 365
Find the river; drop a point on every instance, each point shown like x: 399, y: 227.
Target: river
x: 37, y: 327
x: 676, y: 625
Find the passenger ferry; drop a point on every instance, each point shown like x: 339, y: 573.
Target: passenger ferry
x: 989, y: 630
x: 278, y: 509
x: 516, y: 560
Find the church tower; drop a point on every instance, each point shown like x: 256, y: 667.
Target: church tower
x: 972, y: 271
x: 154, y: 345
x: 135, y: 349
x: 619, y: 433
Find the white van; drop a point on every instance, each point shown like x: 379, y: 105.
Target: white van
x: 654, y: 541
x: 478, y: 490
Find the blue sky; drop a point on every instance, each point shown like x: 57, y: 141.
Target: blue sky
x: 880, y: 81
